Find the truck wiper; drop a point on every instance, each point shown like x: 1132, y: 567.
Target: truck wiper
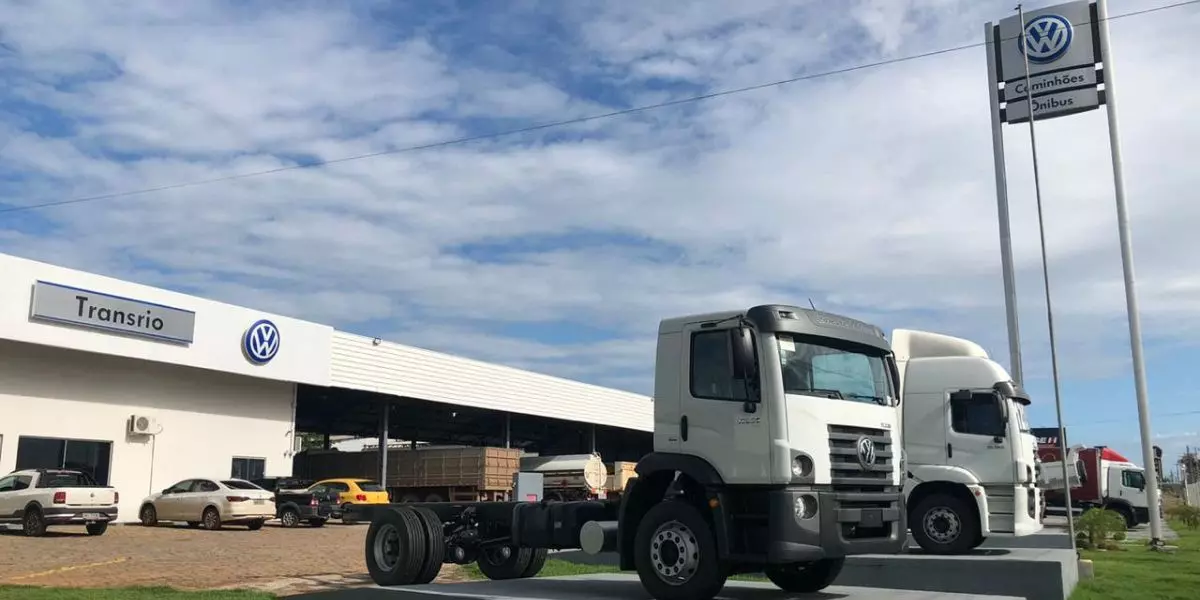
x: 877, y: 399
x: 835, y: 394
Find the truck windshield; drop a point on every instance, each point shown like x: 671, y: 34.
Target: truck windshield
x: 817, y: 370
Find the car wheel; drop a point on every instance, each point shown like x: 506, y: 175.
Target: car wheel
x: 212, y: 519
x: 290, y: 517
x: 97, y: 528
x: 34, y: 524
x: 148, y: 515
x: 255, y: 525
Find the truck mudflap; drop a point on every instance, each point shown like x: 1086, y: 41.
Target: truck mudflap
x: 840, y: 524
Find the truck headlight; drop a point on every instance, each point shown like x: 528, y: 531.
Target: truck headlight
x: 802, y: 466
x: 806, y: 506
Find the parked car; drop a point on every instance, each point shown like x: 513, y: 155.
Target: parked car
x: 210, y: 503
x: 349, y: 492
x: 39, y: 498
x: 294, y: 504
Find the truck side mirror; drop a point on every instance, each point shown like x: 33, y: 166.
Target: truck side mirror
x: 742, y: 341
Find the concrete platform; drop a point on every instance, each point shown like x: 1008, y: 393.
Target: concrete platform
x: 1030, y: 573
x: 615, y: 587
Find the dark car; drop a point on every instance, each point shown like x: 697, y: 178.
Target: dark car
x: 294, y: 504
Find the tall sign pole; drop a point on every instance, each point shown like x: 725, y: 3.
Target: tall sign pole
x: 1042, y: 66
x: 1131, y: 301
x: 1006, y: 257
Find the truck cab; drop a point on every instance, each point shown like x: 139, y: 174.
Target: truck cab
x: 972, y: 465
x: 1100, y: 478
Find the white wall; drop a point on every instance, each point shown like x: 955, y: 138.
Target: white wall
x: 303, y: 352
x: 207, y: 417
x: 357, y: 363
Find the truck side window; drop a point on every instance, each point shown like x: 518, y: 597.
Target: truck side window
x: 1133, y: 480
x: 712, y: 367
x: 981, y: 415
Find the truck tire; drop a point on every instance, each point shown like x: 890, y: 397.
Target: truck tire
x: 944, y: 524
x: 33, y: 524
x: 675, y: 553
x: 504, y: 562
x: 805, y: 578
x: 97, y: 528
x: 395, y: 547
x: 537, y: 560
x: 435, y: 545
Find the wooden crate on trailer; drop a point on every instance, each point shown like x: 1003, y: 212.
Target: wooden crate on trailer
x: 481, y: 468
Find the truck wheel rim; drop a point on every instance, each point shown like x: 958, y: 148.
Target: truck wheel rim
x: 674, y: 553
x: 289, y: 518
x: 387, y: 547
x: 942, y: 525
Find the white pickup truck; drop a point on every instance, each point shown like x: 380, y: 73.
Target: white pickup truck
x: 38, y: 498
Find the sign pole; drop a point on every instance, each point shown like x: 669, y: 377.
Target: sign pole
x: 1131, y: 301
x: 1002, y: 216
x: 1037, y: 187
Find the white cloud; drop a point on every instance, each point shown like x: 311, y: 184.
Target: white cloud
x: 871, y: 192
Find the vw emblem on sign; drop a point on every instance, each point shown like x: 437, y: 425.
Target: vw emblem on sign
x: 866, y: 451
x: 261, y: 342
x: 1047, y: 38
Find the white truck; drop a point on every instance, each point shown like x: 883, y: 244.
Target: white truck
x: 39, y: 498
x: 1100, y: 478
x: 775, y: 451
x: 972, y: 465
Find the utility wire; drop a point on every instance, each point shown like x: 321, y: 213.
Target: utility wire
x: 1167, y: 414
x: 551, y: 124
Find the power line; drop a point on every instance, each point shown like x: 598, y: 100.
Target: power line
x: 1104, y: 422
x: 550, y: 124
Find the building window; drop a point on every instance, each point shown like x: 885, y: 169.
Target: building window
x: 249, y: 469
x: 87, y: 456
x: 712, y: 367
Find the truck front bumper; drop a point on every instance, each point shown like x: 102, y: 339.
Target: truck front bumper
x: 844, y: 524
x: 55, y: 515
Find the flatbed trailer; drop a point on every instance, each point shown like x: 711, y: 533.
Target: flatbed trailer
x: 814, y: 475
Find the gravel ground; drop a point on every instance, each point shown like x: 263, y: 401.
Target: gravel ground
x: 282, y: 561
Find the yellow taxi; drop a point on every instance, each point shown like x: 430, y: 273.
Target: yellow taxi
x: 350, y: 491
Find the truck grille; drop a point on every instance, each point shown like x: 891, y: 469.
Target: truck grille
x: 855, y: 483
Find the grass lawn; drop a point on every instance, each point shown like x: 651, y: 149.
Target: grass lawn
x: 1134, y: 573
x: 18, y: 592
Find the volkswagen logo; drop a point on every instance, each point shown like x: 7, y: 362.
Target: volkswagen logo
x: 1047, y: 38
x: 261, y: 342
x: 866, y: 451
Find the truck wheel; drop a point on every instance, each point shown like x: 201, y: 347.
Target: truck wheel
x: 675, y: 553
x: 435, y: 545
x: 537, y: 560
x: 944, y: 524
x: 805, y: 578
x: 290, y: 517
x: 34, y: 524
x: 395, y: 547
x: 504, y: 562
x: 97, y: 528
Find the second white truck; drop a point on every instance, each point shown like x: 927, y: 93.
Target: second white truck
x: 972, y: 467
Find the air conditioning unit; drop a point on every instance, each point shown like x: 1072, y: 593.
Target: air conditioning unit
x: 142, y: 425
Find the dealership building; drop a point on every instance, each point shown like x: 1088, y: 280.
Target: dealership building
x: 143, y: 387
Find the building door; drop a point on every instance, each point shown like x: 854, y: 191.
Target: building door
x: 89, y: 456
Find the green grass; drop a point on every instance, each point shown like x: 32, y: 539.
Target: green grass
x: 1135, y: 573
x: 21, y: 592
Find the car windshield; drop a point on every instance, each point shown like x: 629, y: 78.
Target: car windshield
x: 844, y: 373
x: 238, y: 484
x: 370, y: 486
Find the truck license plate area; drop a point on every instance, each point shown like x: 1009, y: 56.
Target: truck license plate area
x: 871, y: 517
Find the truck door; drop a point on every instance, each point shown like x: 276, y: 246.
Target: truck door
x: 1128, y: 485
x: 714, y: 422
x: 977, y: 439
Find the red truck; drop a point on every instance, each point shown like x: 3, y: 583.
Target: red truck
x: 1100, y: 478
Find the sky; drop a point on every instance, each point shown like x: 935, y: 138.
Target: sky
x: 870, y: 193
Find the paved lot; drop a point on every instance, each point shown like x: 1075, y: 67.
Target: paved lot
x: 282, y: 561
